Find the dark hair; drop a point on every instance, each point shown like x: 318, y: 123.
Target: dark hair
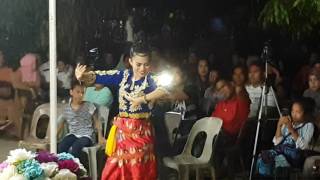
x: 258, y: 63
x: 76, y: 83
x: 203, y: 59
x: 307, y: 104
x: 125, y: 55
x: 140, y: 47
x: 315, y: 62
x: 244, y: 68
x: 315, y: 73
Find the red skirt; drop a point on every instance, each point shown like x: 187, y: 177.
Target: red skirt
x: 134, y: 157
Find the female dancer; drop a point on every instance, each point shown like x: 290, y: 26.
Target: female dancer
x: 133, y: 158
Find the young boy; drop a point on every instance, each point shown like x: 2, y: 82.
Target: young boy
x: 79, y: 116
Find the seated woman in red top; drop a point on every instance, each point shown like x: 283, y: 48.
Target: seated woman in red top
x: 233, y: 110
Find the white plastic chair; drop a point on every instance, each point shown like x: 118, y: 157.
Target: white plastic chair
x: 103, y: 114
x: 172, y: 121
x: 211, y: 126
x: 32, y: 142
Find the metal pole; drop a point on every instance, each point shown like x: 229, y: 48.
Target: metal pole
x: 53, y: 72
x: 254, y: 153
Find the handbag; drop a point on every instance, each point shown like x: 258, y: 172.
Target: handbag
x: 111, y: 141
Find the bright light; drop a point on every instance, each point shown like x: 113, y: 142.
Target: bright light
x: 165, y: 79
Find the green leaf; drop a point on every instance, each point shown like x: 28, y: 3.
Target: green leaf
x: 296, y: 3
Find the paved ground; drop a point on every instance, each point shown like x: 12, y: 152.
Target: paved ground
x: 7, y: 143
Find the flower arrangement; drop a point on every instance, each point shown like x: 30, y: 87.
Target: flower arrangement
x: 26, y: 165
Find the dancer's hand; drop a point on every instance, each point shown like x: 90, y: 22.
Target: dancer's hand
x: 135, y: 101
x: 79, y: 71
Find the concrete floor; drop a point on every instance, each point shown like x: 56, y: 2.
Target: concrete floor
x: 7, y: 143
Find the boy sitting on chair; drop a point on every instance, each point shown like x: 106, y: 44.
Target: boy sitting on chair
x: 81, y: 119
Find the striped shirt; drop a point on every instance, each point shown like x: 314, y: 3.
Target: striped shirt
x: 80, y: 121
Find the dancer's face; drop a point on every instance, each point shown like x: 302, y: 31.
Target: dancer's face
x: 140, y: 66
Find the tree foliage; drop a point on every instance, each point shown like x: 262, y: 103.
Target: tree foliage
x: 299, y: 17
x: 21, y: 25
x: 24, y: 25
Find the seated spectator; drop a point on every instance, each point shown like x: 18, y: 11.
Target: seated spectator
x: 239, y: 78
x: 5, y: 71
x: 200, y: 81
x: 254, y: 89
x: 6, y: 87
x: 314, y: 89
x: 27, y: 81
x: 184, y: 101
x: 10, y: 109
x: 300, y: 81
x: 211, y: 97
x: 99, y: 95
x: 44, y: 69
x: 64, y: 75
x: 233, y: 110
x: 79, y: 116
x: 5, y: 79
x: 124, y: 62
x: 191, y: 62
x: 107, y: 62
x: 293, y: 134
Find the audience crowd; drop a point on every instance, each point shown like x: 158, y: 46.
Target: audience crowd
x: 201, y: 90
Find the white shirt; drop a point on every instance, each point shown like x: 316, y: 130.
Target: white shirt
x: 255, y: 96
x: 65, y: 77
